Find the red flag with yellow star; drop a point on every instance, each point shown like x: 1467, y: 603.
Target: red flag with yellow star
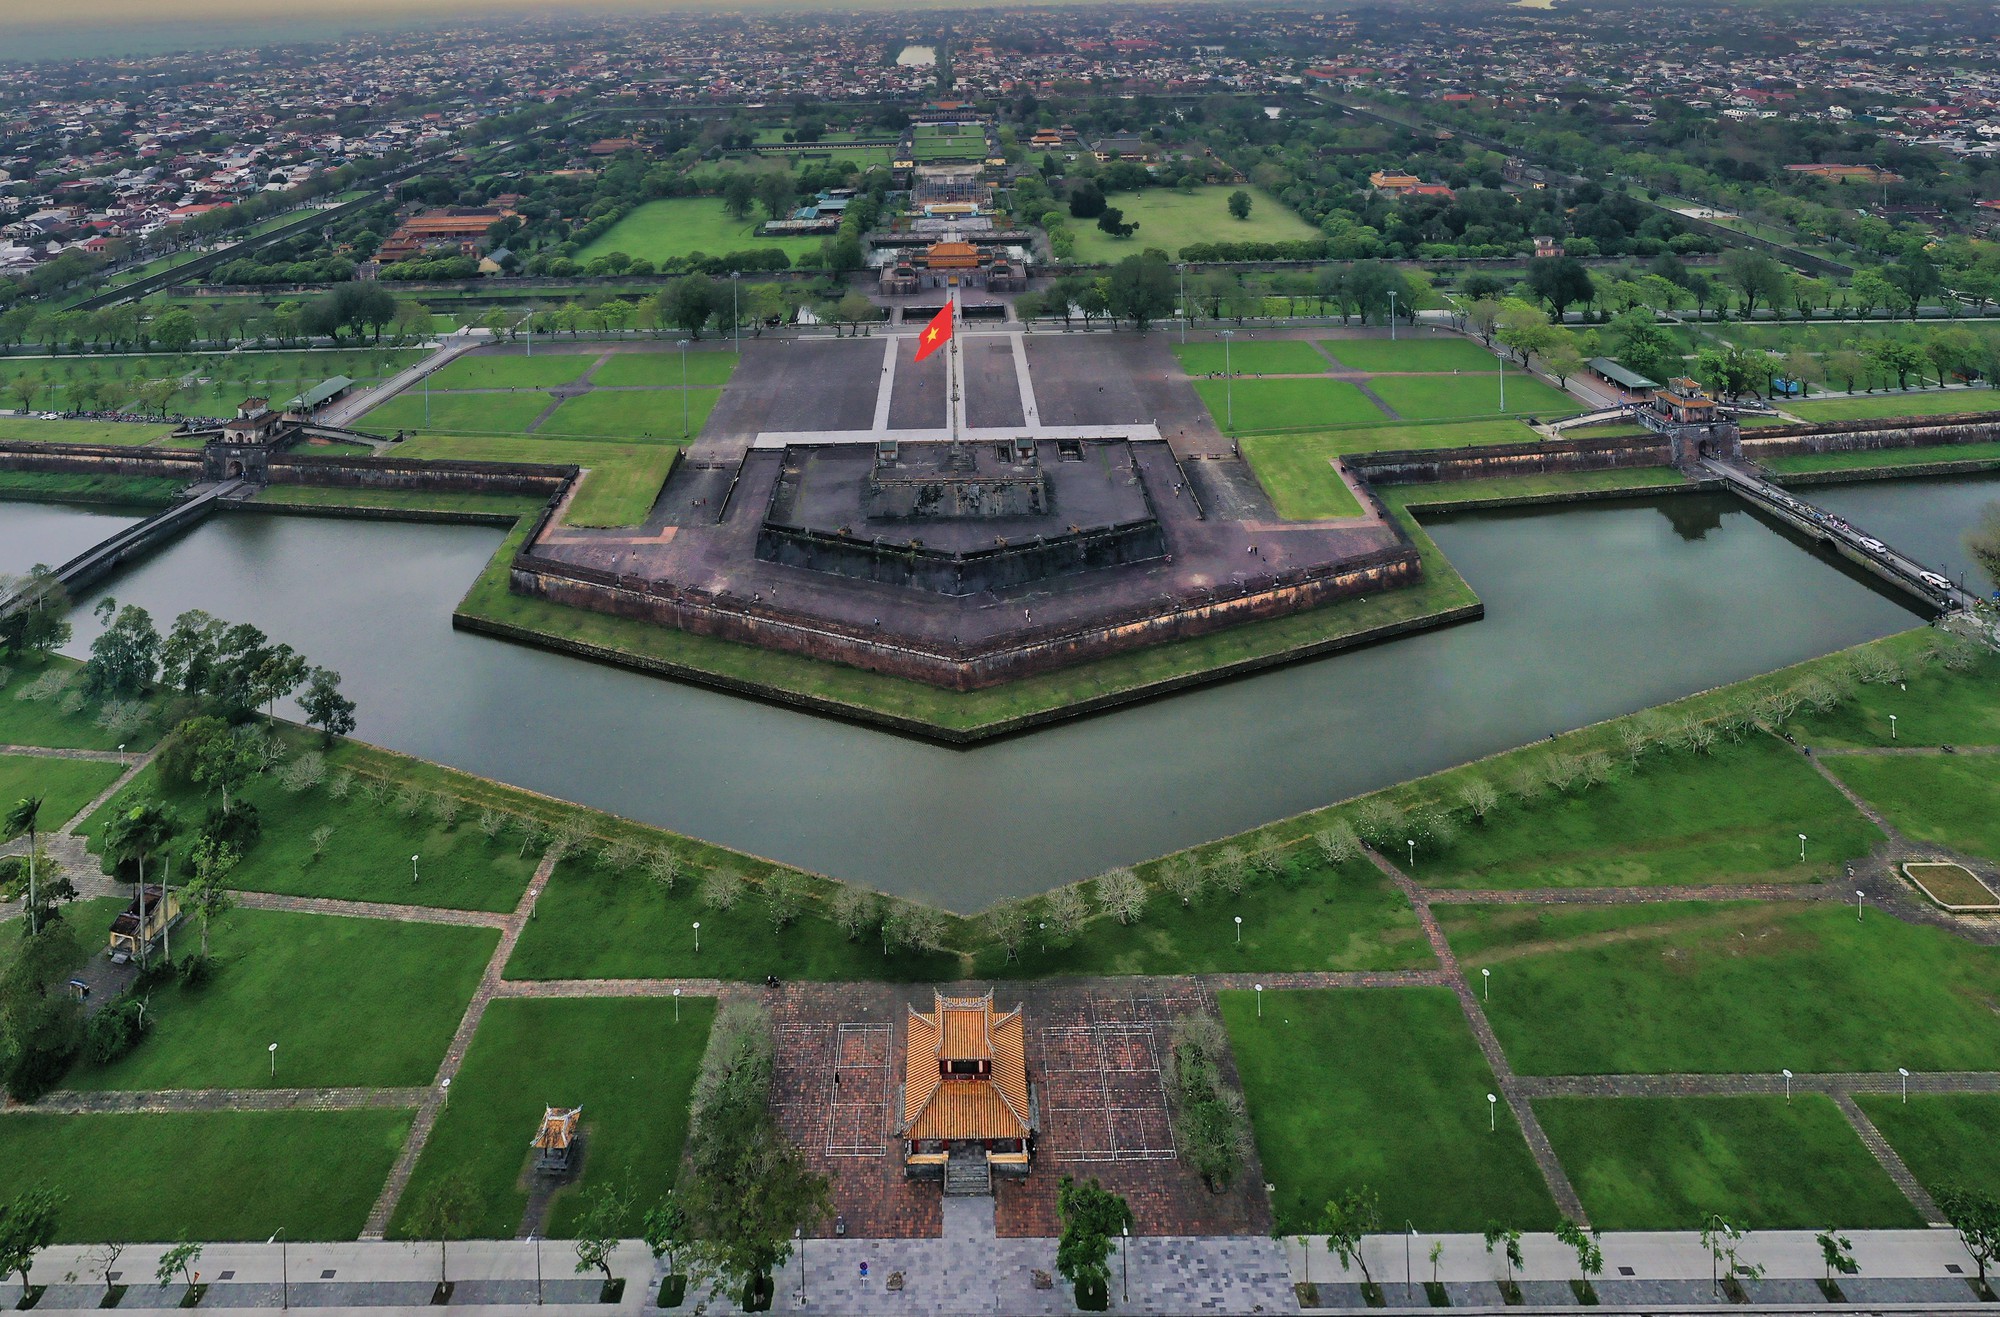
x: 935, y: 334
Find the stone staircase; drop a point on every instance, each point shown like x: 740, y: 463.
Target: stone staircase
x: 968, y: 1177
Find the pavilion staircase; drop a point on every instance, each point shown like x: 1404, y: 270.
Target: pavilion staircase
x: 968, y: 1177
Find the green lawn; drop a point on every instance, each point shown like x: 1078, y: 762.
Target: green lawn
x: 670, y: 414
x: 1170, y: 220
x: 1430, y: 352
x: 1730, y: 816
x: 1945, y: 1138
x: 661, y: 368
x: 1436, y: 397
x: 43, y: 723
x: 78, y: 432
x: 367, y: 857
x: 466, y: 413
x: 212, y: 383
x: 682, y: 226
x: 623, y: 484
x: 1286, y: 404
x: 1311, y: 918
x: 406, y: 500
x: 348, y: 1001
x: 655, y: 938
x: 1716, y: 989
x: 1637, y: 481
x: 1340, y: 1098
x: 1277, y: 357
x: 90, y: 487
x: 1932, y: 706
x: 92, y: 920
x: 65, y: 785
x: 1297, y: 473
x: 1666, y: 1163
x: 1948, y: 800
x: 1870, y: 459
x: 1935, y: 402
x: 625, y: 1062
x: 233, y: 1175
x: 481, y: 371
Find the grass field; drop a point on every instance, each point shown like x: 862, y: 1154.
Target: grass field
x: 1437, y: 397
x: 42, y: 723
x: 656, y: 938
x: 662, y: 368
x: 1279, y: 357
x: 1731, y: 816
x: 233, y: 1175
x: 1639, y: 482
x: 480, y: 371
x: 1340, y: 1099
x: 465, y: 413
x: 1870, y: 459
x: 623, y: 484
x: 404, y: 500
x: 1935, y: 402
x: 1666, y: 1163
x: 1933, y: 706
x: 1699, y: 988
x: 348, y: 1001
x: 1945, y: 1138
x: 626, y: 1063
x: 1432, y: 352
x: 65, y: 785
x: 212, y: 383
x: 367, y: 857
x: 1285, y: 404
x: 1313, y: 918
x: 671, y: 414
x: 682, y: 226
x: 1296, y: 471
x: 1170, y: 220
x: 1951, y: 801
x: 124, y: 433
x: 90, y: 487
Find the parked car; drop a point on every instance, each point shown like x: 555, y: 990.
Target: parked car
x: 1874, y: 546
x: 1934, y: 581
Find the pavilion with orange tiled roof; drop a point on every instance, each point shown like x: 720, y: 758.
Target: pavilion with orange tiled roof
x: 966, y: 1093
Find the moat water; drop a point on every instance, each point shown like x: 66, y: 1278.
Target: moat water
x: 1593, y: 611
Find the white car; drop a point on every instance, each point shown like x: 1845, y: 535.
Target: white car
x: 1934, y: 581
x: 1873, y: 546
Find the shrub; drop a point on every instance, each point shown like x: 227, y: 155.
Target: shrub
x: 722, y: 889
x: 237, y: 827
x: 114, y: 1031
x: 1122, y: 895
x: 194, y: 971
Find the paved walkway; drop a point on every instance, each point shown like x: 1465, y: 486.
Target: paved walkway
x: 66, y: 848
x: 68, y: 1103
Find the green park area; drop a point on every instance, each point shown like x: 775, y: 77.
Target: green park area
x: 1340, y: 1099
x: 1248, y: 406
x: 349, y: 835
x: 1431, y: 353
x: 664, y: 367
x: 1870, y: 459
x: 217, y: 1175
x: 1930, y: 402
x: 1946, y: 1139
x: 654, y: 414
x: 1276, y: 357
x: 65, y: 785
x: 35, y: 709
x: 482, y: 371
x: 457, y: 413
x: 1732, y: 815
x: 1560, y: 486
x: 1947, y: 800
x: 630, y: 1064
x: 1696, y: 987
x: 1438, y: 397
x: 681, y: 226
x: 1932, y: 704
x: 1298, y: 475
x: 195, y: 384
x: 350, y: 1002
x: 1171, y: 219
x: 623, y: 483
x: 35, y: 430
x: 1764, y: 1163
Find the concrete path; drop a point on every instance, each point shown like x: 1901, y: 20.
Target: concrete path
x: 1031, y: 415
x: 450, y: 347
x: 66, y: 848
x: 887, y: 388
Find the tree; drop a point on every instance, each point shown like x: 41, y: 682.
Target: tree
x: 1524, y: 328
x: 325, y: 707
x: 597, y: 1234
x: 1983, y: 542
x: 1239, y: 204
x: 1721, y: 1237
x: 1561, y: 281
x: 219, y: 758
x: 1111, y: 220
x: 205, y: 894
x: 1975, y: 1215
x: 1346, y: 1220
x: 1838, y: 1252
x: 1562, y: 360
x: 785, y: 895
x: 139, y: 834
x: 189, y: 654
x: 444, y: 1212
x: 174, y: 330
x: 27, y: 1226
x: 1508, y: 1241
x: 1756, y: 276
x: 1915, y: 280
x: 26, y: 818
x: 1870, y: 290
x: 1642, y: 345
x: 1141, y: 289
x: 688, y: 302
x: 38, y: 624
x: 125, y: 657
x: 180, y: 1259
x: 1092, y: 1216
x: 1589, y: 1254
x: 666, y: 1230
x: 1210, y: 1123
x: 1897, y: 356
x: 1086, y: 201
x: 1122, y: 895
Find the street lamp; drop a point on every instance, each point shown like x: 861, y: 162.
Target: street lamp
x: 1239, y: 930
x: 1905, y: 1076
x: 121, y: 756
x: 799, y: 1237
x: 684, y: 389
x: 1892, y: 729
x: 1492, y: 1113
x: 284, y: 1267
x: 1182, y: 267
x: 1788, y: 1087
x: 1392, y: 315
x: 1406, y: 1255
x: 1260, y: 999
x: 1802, y: 848
x: 413, y: 871
x: 1125, y: 1262
x: 1486, y: 984
x: 1228, y: 383
x: 677, y: 1005
x: 697, y: 937
x: 273, y: 1050
x: 1857, y: 906
x: 1411, y: 843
